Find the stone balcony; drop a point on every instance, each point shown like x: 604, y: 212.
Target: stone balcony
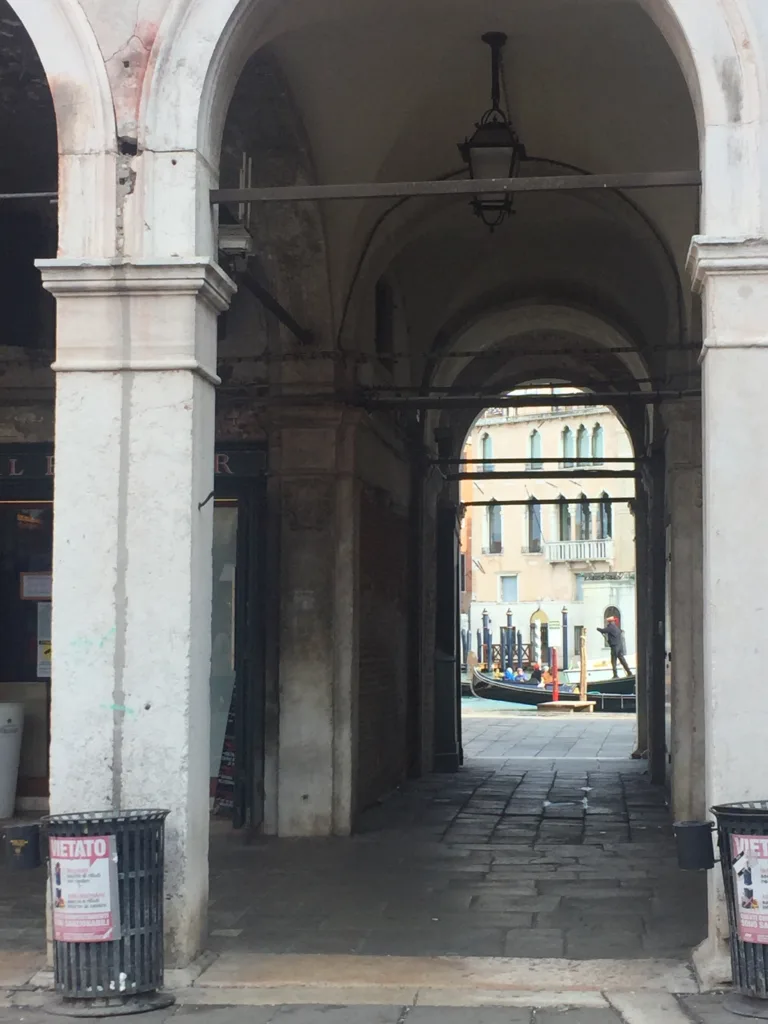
x: 579, y: 551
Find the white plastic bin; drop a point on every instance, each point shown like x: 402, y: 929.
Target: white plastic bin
x: 11, y: 725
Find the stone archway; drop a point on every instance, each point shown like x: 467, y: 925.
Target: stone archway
x: 201, y: 48
x: 74, y: 66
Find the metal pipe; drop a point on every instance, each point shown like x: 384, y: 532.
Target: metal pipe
x: 552, y: 501
x: 516, y: 402
x: 554, y: 474
x: 8, y: 196
x: 448, y: 187
x: 448, y: 460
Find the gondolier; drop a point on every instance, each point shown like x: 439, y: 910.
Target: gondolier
x: 613, y: 634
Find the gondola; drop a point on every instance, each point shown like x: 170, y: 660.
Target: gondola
x: 483, y: 685
x: 514, y: 693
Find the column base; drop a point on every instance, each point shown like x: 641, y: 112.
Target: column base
x: 447, y: 763
x: 712, y: 964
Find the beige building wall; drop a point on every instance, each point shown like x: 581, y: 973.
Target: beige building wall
x: 578, y: 568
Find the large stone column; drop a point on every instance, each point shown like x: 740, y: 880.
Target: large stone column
x: 682, y: 420
x: 135, y: 362
x: 733, y: 279
x: 313, y: 457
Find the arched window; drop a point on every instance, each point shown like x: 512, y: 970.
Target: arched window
x: 598, y: 443
x: 495, y: 538
x: 564, y: 519
x: 612, y: 612
x: 583, y: 519
x: 534, y: 526
x: 605, y: 518
x: 569, y: 447
x: 535, y: 451
x: 486, y: 453
x: 583, y: 450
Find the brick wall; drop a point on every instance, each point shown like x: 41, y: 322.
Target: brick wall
x: 382, y: 757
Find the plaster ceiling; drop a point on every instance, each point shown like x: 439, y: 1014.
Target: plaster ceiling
x: 386, y: 90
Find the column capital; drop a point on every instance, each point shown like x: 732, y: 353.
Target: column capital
x: 712, y: 256
x: 137, y: 314
x: 732, y: 276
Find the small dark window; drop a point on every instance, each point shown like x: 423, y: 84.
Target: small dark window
x: 385, y: 329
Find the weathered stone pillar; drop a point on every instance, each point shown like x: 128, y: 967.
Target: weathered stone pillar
x: 733, y: 279
x: 643, y: 619
x: 684, y: 503
x: 135, y: 361
x: 313, y: 456
x: 447, y: 750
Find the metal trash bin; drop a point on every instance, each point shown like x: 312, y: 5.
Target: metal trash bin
x: 106, y: 878
x: 22, y: 846
x: 742, y: 831
x: 694, y: 845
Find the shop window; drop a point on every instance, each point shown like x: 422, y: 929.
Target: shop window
x: 26, y: 539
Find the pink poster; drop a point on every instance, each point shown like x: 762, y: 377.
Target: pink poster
x: 750, y: 870
x: 84, y: 891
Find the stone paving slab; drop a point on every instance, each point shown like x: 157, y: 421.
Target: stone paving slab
x: 515, y: 856
x: 650, y: 1008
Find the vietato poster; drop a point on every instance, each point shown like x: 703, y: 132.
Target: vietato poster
x: 750, y: 870
x: 84, y: 892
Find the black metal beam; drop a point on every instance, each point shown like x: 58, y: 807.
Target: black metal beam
x: 450, y: 461
x: 400, y: 189
x: 270, y: 302
x: 548, y: 474
x: 551, y: 501
x: 516, y: 402
x: 8, y: 196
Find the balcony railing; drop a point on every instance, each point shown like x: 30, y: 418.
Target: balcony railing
x: 580, y: 551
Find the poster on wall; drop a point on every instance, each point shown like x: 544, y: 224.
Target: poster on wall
x: 750, y: 871
x: 225, y: 785
x: 44, y: 640
x: 84, y: 893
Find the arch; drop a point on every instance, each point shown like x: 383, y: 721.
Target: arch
x: 201, y: 46
x: 564, y: 521
x: 486, y: 452
x: 535, y: 452
x: 605, y: 518
x: 569, y: 447
x: 583, y: 448
x: 85, y: 122
x: 598, y: 443
x: 612, y: 612
x: 583, y: 519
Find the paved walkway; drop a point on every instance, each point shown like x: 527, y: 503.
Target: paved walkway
x: 559, y: 853
x: 619, y: 1008
x: 492, y: 730
x: 538, y: 849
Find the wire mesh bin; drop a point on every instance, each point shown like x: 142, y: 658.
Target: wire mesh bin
x: 106, y: 876
x: 742, y: 830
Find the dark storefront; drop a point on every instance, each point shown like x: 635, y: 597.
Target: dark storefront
x: 237, y: 657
